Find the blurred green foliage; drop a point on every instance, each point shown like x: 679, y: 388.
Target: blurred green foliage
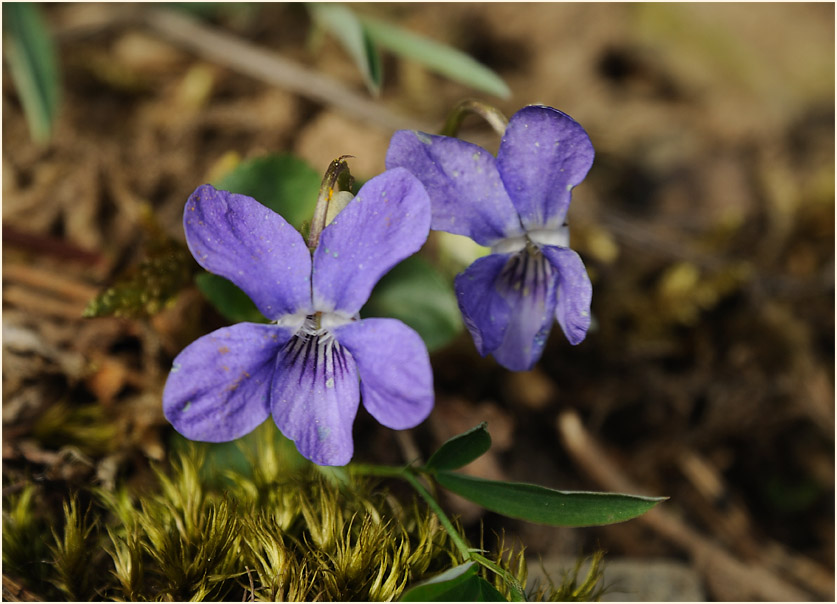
x: 284, y: 183
x: 361, y: 36
x: 33, y: 63
x: 416, y: 293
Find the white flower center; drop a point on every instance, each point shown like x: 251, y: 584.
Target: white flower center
x: 318, y: 325
x: 559, y: 237
x: 321, y: 324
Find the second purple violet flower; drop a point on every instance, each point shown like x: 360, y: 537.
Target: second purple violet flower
x: 517, y: 205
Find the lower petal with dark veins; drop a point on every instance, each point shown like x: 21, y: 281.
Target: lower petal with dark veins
x: 314, y: 398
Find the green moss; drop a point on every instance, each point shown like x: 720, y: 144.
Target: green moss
x: 84, y: 427
x: 25, y: 540
x: 149, y: 286
x: 572, y: 587
x: 74, y: 553
x: 282, y: 531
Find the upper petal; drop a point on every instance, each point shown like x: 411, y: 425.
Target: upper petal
x: 387, y: 221
x: 574, y: 292
x: 254, y: 247
x: 484, y: 309
x: 396, y: 380
x: 527, y: 283
x: 219, y: 385
x: 314, y: 398
x: 466, y: 194
x: 543, y: 155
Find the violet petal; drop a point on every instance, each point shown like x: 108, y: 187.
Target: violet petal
x: 314, y: 398
x: 386, y: 222
x: 254, y: 247
x: 543, y: 155
x: 484, y: 309
x: 527, y: 283
x: 574, y: 292
x: 219, y: 385
x: 396, y: 380
x: 466, y: 194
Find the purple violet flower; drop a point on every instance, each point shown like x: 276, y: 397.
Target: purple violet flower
x: 516, y: 204
x: 303, y: 367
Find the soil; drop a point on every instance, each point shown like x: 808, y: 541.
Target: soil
x: 706, y: 224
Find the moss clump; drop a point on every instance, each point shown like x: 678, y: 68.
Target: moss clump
x: 572, y: 587
x: 282, y: 530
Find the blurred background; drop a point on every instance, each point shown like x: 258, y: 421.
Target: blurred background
x: 706, y: 223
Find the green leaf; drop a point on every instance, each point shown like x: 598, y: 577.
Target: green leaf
x: 477, y: 589
x: 437, y: 588
x: 458, y: 584
x: 284, y: 183
x: 436, y: 56
x: 351, y: 34
x: 460, y: 450
x: 547, y: 506
x: 417, y: 294
x: 233, y: 304
x: 33, y: 64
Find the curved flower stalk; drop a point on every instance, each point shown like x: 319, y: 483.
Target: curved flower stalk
x: 303, y: 367
x: 516, y: 204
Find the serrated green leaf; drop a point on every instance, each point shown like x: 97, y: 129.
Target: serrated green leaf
x: 436, y: 56
x: 547, y: 506
x: 284, y: 183
x: 417, y: 294
x: 233, y: 304
x: 460, y: 450
x: 33, y: 64
x: 349, y: 31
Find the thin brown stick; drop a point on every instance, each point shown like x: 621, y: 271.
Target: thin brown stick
x: 50, y: 281
x: 409, y: 449
x: 732, y: 578
x: 15, y: 592
x: 49, y: 246
x: 34, y: 303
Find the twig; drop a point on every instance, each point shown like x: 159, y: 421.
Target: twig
x: 15, y: 592
x: 409, y: 449
x: 35, y: 303
x: 732, y: 578
x: 240, y: 56
x: 50, y: 281
x: 49, y: 246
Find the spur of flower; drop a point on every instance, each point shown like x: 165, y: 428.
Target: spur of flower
x: 309, y: 366
x: 515, y: 203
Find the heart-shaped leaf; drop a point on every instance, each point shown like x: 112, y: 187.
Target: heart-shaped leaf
x: 233, y: 304
x: 417, y: 294
x: 284, y: 183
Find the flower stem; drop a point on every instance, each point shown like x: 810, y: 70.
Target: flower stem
x: 514, y: 585
x: 490, y: 114
x: 409, y: 475
x: 434, y: 505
